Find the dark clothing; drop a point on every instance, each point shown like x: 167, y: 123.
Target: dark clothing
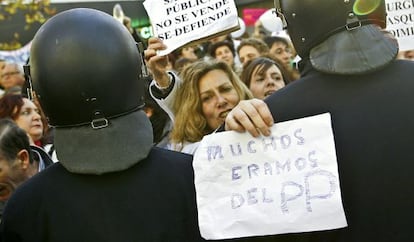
x: 152, y: 201
x: 373, y: 125
x: 41, y: 156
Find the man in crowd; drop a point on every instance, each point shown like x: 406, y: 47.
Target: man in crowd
x: 11, y: 77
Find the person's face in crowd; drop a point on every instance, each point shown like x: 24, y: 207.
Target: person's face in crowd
x: 265, y: 82
x: 259, y: 31
x: 189, y: 53
x: 406, y: 55
x: 282, y: 52
x: 223, y: 53
x: 218, y: 97
x: 12, y: 173
x: 11, y: 77
x: 247, y: 53
x: 29, y: 119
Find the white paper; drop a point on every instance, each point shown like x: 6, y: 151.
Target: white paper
x: 287, y: 182
x: 178, y: 22
x: 400, y: 22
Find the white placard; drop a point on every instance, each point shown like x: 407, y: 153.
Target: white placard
x: 400, y: 22
x: 19, y: 56
x: 179, y: 22
x: 287, y: 182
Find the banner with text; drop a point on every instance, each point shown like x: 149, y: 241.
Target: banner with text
x: 180, y: 22
x: 284, y: 183
x: 400, y: 22
x: 19, y: 56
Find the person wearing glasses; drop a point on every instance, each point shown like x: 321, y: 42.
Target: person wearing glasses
x: 12, y: 77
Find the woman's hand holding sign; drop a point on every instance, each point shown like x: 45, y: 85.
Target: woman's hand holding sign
x: 157, y: 65
x: 252, y: 116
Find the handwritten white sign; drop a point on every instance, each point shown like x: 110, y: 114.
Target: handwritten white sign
x: 400, y: 22
x: 179, y: 22
x: 287, y: 182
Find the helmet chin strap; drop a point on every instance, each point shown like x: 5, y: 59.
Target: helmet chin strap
x: 144, y: 71
x: 28, y: 79
x: 280, y: 14
x: 352, y: 22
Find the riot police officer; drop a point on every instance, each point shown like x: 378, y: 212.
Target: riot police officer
x: 349, y: 69
x: 110, y: 183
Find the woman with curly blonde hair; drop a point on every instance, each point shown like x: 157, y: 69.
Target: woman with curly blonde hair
x: 210, y: 89
x: 198, y: 100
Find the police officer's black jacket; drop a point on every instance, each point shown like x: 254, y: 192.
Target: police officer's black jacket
x: 152, y: 201
x: 373, y: 125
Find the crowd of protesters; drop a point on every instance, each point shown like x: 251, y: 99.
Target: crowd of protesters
x: 190, y: 92
x: 255, y: 66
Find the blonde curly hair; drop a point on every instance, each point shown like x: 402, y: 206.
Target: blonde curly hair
x: 190, y: 125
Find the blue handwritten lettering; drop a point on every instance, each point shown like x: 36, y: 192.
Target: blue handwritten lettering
x: 267, y: 168
x: 237, y: 200
x: 234, y: 174
x: 266, y: 199
x: 213, y: 152
x: 328, y: 194
x: 250, y: 149
x: 239, y: 150
x: 312, y: 159
x: 269, y: 141
x: 300, y: 163
x: 286, y: 198
x: 284, y: 166
x: 301, y: 140
x: 251, y: 198
x: 253, y: 168
x: 285, y: 141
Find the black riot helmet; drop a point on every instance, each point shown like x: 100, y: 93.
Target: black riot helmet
x: 85, y: 69
x: 75, y: 58
x: 309, y: 22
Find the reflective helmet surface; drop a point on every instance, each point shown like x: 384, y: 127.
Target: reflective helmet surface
x: 85, y: 66
x: 309, y: 22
